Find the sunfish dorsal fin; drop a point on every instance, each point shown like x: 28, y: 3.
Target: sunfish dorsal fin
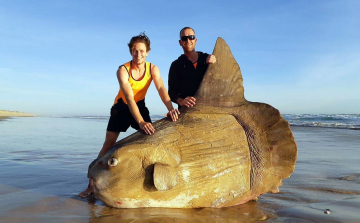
x: 222, y: 84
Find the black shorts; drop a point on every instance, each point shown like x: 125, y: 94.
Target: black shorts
x: 121, y: 118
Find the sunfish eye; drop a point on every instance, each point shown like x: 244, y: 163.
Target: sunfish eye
x: 112, y: 162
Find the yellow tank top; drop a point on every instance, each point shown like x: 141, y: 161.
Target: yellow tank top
x: 139, y: 86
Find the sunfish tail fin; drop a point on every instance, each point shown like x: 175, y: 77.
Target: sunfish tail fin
x: 272, y: 146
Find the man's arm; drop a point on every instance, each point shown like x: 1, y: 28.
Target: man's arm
x: 191, y: 101
x: 123, y: 78
x: 155, y: 73
x: 173, y: 82
x: 174, y: 88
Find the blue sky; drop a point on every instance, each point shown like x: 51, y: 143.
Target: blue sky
x: 60, y: 57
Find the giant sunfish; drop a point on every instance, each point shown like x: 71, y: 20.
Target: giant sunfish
x: 222, y: 152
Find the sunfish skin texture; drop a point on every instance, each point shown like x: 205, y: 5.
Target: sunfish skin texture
x: 222, y: 152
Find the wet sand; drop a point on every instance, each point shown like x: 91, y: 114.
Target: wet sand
x: 43, y: 165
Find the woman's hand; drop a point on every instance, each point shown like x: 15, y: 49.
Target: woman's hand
x: 147, y: 127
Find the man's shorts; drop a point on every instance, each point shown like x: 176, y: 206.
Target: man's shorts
x: 121, y: 118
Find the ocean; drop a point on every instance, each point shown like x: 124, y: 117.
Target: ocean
x: 341, y: 121
x: 44, y: 160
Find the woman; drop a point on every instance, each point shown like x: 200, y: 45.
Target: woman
x: 129, y: 107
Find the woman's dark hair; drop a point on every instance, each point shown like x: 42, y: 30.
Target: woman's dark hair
x: 141, y: 38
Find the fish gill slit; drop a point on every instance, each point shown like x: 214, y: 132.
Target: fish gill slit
x: 255, y: 156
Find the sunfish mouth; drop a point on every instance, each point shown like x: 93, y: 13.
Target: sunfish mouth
x: 94, y: 186
x: 91, y: 185
x: 99, y: 182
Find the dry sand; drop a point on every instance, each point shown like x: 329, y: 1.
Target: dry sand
x: 4, y: 113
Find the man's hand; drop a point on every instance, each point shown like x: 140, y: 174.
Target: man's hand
x: 174, y: 114
x: 211, y: 59
x: 188, y: 102
x: 147, y: 127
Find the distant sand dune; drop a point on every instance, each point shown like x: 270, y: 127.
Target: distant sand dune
x: 4, y: 113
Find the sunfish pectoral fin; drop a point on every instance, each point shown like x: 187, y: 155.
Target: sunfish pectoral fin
x: 165, y: 177
x: 222, y: 84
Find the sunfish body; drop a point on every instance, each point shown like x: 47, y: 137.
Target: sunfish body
x: 222, y: 152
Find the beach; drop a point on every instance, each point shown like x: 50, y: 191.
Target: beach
x: 44, y: 160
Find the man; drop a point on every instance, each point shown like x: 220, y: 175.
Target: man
x: 187, y: 72
x: 129, y: 107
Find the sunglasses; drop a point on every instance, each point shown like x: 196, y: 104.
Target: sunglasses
x: 185, y: 38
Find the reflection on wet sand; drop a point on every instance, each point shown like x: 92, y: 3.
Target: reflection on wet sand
x: 34, y: 207
x: 42, y: 208
x: 249, y: 212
